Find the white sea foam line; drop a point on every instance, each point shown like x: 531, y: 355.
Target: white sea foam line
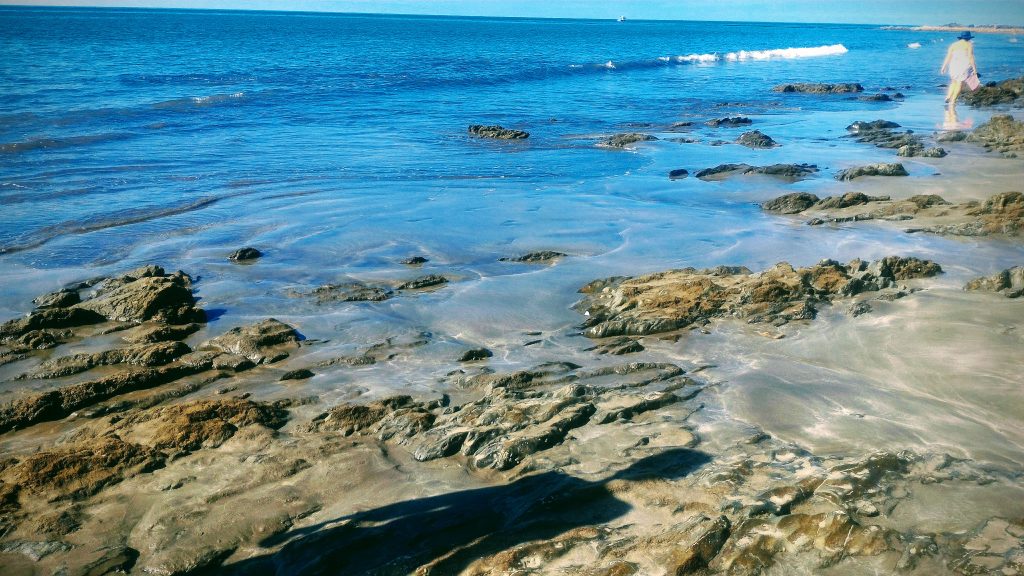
x: 787, y: 53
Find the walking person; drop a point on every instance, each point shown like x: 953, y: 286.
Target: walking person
x: 960, y: 64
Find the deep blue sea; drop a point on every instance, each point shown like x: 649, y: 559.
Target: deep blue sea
x: 147, y: 121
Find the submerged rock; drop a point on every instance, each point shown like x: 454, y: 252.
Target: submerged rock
x: 415, y: 261
x: 625, y: 139
x: 475, y: 354
x: 848, y: 199
x: 300, y: 374
x: 351, y: 292
x: 244, y: 254
x: 862, y: 126
x: 756, y: 139
x: 784, y: 171
x: 728, y: 122
x: 497, y: 132
x: 1009, y: 283
x: 428, y: 281
x: 540, y: 257
x: 668, y: 301
x: 876, y: 98
x: 812, y: 88
x: 678, y: 173
x: 881, y: 169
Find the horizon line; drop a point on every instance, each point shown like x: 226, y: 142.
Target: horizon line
x: 5, y: 5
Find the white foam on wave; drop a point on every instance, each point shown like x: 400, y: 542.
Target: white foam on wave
x: 914, y: 45
x: 201, y: 100
x: 786, y: 53
x: 698, y: 58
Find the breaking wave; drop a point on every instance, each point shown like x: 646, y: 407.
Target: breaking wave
x: 715, y: 57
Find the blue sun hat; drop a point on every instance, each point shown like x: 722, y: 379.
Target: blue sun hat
x: 965, y: 36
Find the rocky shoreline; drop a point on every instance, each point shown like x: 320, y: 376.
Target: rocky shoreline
x: 166, y: 464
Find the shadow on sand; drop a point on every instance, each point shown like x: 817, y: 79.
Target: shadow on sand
x: 458, y: 527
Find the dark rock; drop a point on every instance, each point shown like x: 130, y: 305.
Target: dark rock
x: 784, y: 171
x: 245, y: 254
x: 415, y: 261
x: 811, y: 88
x: 846, y: 200
x: 678, y: 173
x: 723, y: 169
x: 1006, y: 92
x: 790, y: 203
x: 497, y: 132
x: 624, y: 140
x: 756, y: 139
x: 300, y: 374
x: 424, y: 282
x: 1009, y: 283
x: 861, y: 126
x: 789, y: 171
x: 728, y: 122
x: 908, y: 268
x: 351, y: 292
x: 540, y: 257
x: 59, y: 299
x: 476, y: 354
x: 872, y: 170
x: 875, y: 98
x: 259, y: 342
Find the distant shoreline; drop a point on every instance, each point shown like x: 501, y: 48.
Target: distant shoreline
x: 952, y: 28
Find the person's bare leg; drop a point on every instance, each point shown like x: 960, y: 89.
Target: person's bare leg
x: 954, y: 92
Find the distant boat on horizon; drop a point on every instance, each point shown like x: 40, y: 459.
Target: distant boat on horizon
x: 622, y: 18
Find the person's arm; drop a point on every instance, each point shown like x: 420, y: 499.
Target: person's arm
x: 970, y: 56
x: 945, y: 63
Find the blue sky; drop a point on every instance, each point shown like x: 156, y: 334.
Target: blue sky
x: 848, y: 11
